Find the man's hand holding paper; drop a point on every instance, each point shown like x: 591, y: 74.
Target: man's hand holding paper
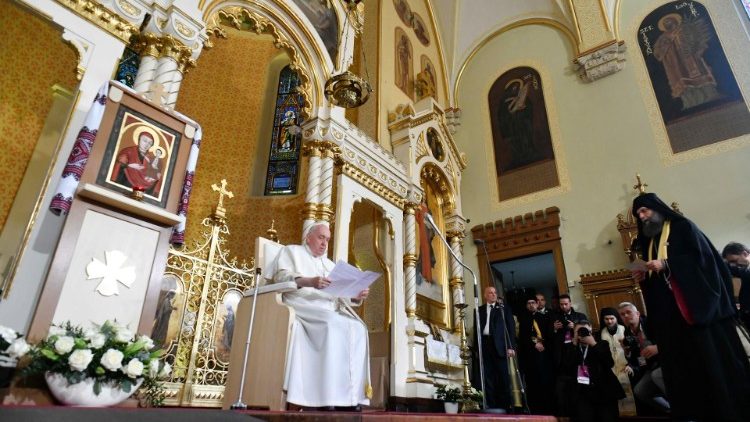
x: 348, y: 281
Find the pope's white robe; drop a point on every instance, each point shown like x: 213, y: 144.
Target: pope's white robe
x: 328, y: 362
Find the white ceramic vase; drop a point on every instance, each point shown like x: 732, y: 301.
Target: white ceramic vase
x: 450, y: 407
x: 82, y: 393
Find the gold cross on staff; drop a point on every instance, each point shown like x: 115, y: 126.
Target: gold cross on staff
x: 222, y: 191
x: 640, y: 186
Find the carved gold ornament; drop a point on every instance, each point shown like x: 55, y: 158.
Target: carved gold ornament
x: 102, y: 17
x: 111, y: 273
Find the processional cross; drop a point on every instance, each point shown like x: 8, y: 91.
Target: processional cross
x: 220, y: 210
x: 640, y: 186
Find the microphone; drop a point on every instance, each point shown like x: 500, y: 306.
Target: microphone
x: 428, y: 218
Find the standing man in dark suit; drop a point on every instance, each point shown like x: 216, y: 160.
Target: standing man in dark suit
x: 497, y: 328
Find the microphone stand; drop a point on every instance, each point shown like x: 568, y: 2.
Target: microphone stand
x: 508, y: 344
x: 239, y: 404
x: 429, y: 219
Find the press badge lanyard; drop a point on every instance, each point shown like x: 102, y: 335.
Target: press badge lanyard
x: 583, y: 369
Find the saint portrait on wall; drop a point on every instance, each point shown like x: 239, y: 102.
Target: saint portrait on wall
x: 403, y: 11
x: 323, y: 17
x: 522, y: 143
x: 426, y: 81
x: 404, y: 59
x: 691, y: 77
x: 140, y: 154
x: 420, y: 29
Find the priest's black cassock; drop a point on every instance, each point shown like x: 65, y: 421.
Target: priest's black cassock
x: 692, y: 312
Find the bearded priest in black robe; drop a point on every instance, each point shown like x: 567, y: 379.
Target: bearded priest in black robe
x: 688, y: 292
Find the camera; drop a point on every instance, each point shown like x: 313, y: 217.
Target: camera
x: 584, y: 332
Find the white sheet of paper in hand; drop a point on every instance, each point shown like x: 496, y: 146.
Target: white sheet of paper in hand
x: 637, y: 265
x: 347, y: 280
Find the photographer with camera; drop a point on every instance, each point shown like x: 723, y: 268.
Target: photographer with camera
x: 643, y: 361
x: 562, y: 327
x: 596, y: 391
x: 737, y: 256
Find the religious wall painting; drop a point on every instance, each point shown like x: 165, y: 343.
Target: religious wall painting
x: 404, y: 60
x: 524, y: 156
x: 420, y: 29
x: 224, y: 324
x: 168, y: 313
x: 426, y: 80
x: 403, y: 11
x: 141, y: 154
x: 431, y: 254
x: 697, y: 93
x: 323, y: 17
x: 435, y: 144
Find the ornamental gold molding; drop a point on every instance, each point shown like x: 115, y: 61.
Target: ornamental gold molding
x: 373, y: 184
x: 323, y: 149
x: 243, y: 19
x: 102, y: 17
x: 410, y: 259
x: 432, y: 173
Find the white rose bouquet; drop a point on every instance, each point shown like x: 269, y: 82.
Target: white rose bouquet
x: 12, y: 347
x: 109, y: 353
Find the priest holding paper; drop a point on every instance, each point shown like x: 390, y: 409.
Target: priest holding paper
x: 328, y: 360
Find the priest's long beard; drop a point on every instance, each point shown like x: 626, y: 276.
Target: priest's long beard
x: 652, y: 225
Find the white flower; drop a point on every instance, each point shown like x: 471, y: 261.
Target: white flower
x: 18, y: 348
x: 153, y: 368
x: 64, y: 344
x: 134, y: 368
x: 165, y: 371
x: 112, y: 359
x: 123, y: 335
x: 8, y: 334
x: 97, y: 340
x: 148, y: 344
x: 79, y: 360
x: 56, y: 331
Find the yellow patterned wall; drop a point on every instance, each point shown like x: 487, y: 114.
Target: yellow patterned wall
x: 225, y: 93
x: 33, y: 58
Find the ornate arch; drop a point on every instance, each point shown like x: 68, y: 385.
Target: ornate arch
x: 433, y: 174
x: 244, y: 18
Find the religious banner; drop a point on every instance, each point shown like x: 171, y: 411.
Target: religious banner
x: 524, y: 156
x: 691, y: 77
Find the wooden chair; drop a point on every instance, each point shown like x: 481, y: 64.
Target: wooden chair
x: 266, y: 365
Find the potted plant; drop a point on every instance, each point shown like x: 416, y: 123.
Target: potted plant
x: 102, y: 366
x: 12, y: 347
x: 450, y: 395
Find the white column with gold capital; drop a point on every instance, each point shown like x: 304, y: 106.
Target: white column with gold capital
x: 410, y: 259
x: 456, y: 273
x: 149, y: 45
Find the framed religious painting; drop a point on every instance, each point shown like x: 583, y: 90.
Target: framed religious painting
x: 141, y: 155
x: 140, y: 147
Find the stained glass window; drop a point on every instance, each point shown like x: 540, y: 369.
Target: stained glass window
x: 746, y: 4
x: 286, y: 139
x: 128, y: 67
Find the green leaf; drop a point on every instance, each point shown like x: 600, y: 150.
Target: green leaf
x: 97, y: 387
x: 49, y: 354
x: 100, y: 370
x: 126, y: 385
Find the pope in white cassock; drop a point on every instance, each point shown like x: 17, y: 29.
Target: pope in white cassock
x: 328, y: 362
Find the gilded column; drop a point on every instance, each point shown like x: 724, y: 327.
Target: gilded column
x: 185, y: 64
x: 456, y: 273
x: 166, y: 70
x: 410, y: 260
x: 149, y: 45
x: 312, y: 150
